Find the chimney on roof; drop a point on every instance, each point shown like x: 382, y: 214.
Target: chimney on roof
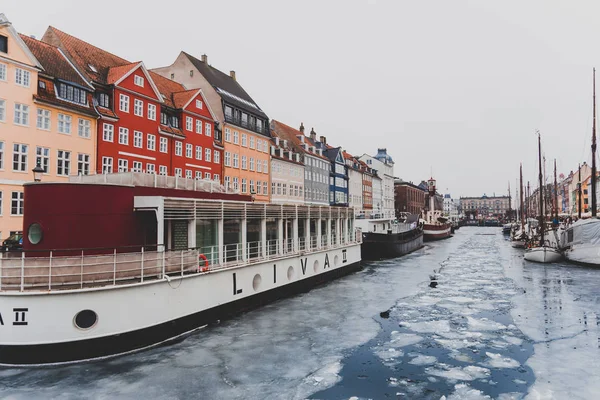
x: 302, y: 127
x: 232, y: 74
x: 313, y: 135
x: 204, y: 58
x: 323, y: 139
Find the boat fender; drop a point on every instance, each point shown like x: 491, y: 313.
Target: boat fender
x: 202, y: 263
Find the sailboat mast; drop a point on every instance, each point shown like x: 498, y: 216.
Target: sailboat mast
x: 509, y: 203
x: 555, y: 194
x: 540, y: 177
x: 594, y: 153
x: 579, y: 193
x: 521, y: 194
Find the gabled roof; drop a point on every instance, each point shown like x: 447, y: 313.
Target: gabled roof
x: 167, y: 88
x: 5, y: 22
x: 93, y: 62
x: 54, y: 62
x: 227, y: 87
x: 290, y: 134
x: 116, y: 73
x: 124, y: 71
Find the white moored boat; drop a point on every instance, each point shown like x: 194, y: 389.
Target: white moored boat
x: 156, y: 258
x: 581, y: 241
x: 543, y: 254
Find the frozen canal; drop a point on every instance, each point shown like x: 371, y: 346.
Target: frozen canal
x: 494, y: 326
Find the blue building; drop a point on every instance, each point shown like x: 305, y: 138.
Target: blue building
x: 338, y: 173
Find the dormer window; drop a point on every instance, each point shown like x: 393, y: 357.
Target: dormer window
x: 259, y: 125
x: 72, y: 93
x: 103, y: 100
x: 138, y: 80
x: 228, y: 112
x: 175, y: 122
x: 163, y: 118
x: 92, y: 68
x: 3, y: 44
x: 199, y: 104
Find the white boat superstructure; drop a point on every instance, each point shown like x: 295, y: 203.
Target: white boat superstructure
x: 581, y: 241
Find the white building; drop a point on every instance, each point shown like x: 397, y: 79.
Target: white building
x: 287, y: 174
x: 384, y: 165
x: 450, y: 207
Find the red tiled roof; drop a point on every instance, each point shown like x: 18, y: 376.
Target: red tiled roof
x: 291, y: 135
x: 182, y: 98
x: 86, y: 57
x: 167, y: 88
x: 116, y: 73
x: 107, y: 112
x: 53, y: 61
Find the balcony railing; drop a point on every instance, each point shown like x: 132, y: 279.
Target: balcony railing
x: 245, y: 124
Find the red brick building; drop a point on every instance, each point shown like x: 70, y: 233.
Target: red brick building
x: 409, y: 198
x: 147, y: 123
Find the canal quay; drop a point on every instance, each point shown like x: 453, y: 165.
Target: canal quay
x: 464, y: 318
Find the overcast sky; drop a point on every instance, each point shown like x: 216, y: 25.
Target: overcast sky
x: 457, y: 87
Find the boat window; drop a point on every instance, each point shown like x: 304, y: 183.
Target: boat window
x: 34, y: 233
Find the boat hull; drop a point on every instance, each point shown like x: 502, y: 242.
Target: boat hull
x: 377, y: 246
x: 135, y: 317
x: 433, y: 232
x: 585, y: 254
x: 543, y: 255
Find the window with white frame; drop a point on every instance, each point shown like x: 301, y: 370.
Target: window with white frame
x: 189, y: 148
x: 1, y: 207
x: 227, y: 135
x: 42, y: 158
x: 198, y: 126
x: 43, y: 119
x: 84, y: 128
x: 150, y: 168
x: 265, y: 189
x: 138, y: 80
x: 2, y: 72
x: 108, y: 131
x: 20, y: 157
x: 251, y: 142
x: 162, y: 170
x: 178, y: 148
x: 258, y: 144
x: 123, y: 136
x: 151, y: 142
x: 138, y: 140
x: 178, y: 172
x: 236, y: 137
x: 16, y: 205
x: 236, y: 161
x: 207, y: 154
x: 63, y: 162
x: 198, y: 175
x: 228, y: 182
x: 124, y: 103
x: 123, y: 165
x: 151, y: 112
x: 244, y: 162
x: 265, y: 167
x: 198, y: 152
x: 64, y: 123
x: 21, y: 114
x: 107, y: 165
x: 207, y: 175
x: 227, y: 159
x: 244, y: 140
x: 252, y: 188
x: 1, y: 155
x: 138, y: 107
x: 251, y: 164
x: 137, y: 166
x: 207, y: 129
x: 199, y: 104
x: 22, y: 77
x: 258, y: 166
x: 163, y: 145
x: 189, y: 123
x: 188, y: 173
x: 2, y: 110
x: 236, y: 183
x: 217, y: 157
x: 83, y: 164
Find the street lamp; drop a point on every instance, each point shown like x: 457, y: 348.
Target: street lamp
x: 37, y: 172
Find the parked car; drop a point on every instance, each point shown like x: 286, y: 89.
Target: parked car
x: 13, y: 243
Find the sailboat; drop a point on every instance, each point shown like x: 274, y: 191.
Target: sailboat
x: 520, y: 237
x: 581, y: 240
x: 544, y: 253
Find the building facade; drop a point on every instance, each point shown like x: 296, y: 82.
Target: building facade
x: 485, y: 206
x: 316, y: 166
x: 409, y: 197
x: 243, y: 124
x: 355, y: 183
x: 383, y: 164
x: 338, y: 173
x: 287, y: 174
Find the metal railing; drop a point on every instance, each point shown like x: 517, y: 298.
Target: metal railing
x: 26, y: 272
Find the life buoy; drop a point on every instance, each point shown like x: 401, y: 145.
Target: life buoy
x: 202, y: 260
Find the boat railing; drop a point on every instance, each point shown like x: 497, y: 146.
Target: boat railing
x: 49, y: 272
